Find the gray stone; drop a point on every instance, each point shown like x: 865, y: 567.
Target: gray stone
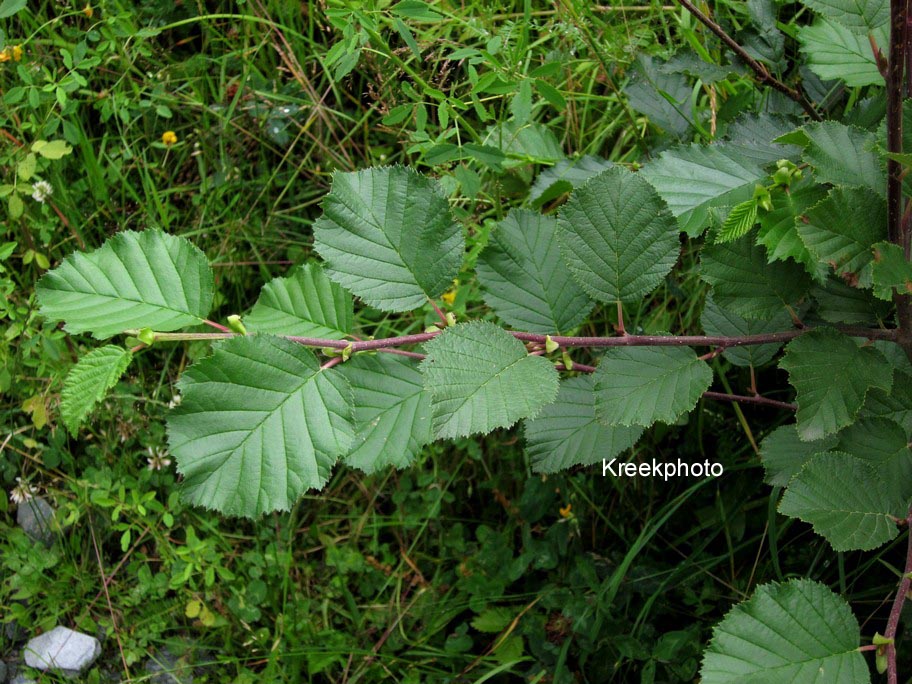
x: 36, y: 518
x: 62, y: 649
x: 22, y: 679
x: 2, y: 671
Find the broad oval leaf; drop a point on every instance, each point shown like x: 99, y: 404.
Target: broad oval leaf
x: 566, y: 432
x: 836, y: 52
x: 692, y: 179
x: 305, y: 304
x: 89, y: 380
x: 259, y: 424
x: 799, y: 631
x: 846, y: 501
x: 392, y: 411
x: 387, y: 235
x: 563, y: 177
x: 642, y: 385
x: 618, y: 237
x: 832, y: 375
x: 135, y: 280
x: 858, y: 15
x: 842, y: 229
x: 890, y: 271
x: 524, y: 279
x: 481, y: 378
x: 783, y: 453
x: 745, y: 283
x: 844, y: 155
x: 717, y: 320
x: 779, y: 227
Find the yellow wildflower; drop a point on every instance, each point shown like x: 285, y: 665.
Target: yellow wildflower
x: 17, y: 53
x: 88, y: 11
x: 450, y: 295
x: 169, y: 138
x: 566, y: 511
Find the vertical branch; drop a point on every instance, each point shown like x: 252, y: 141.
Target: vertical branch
x: 898, y: 601
x: 898, y: 228
x: 897, y: 63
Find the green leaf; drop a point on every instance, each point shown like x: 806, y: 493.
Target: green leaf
x: 832, y: 375
x: 642, y: 385
x: 135, y: 280
x: 392, y: 411
x: 840, y: 303
x: 739, y: 221
x: 10, y: 7
x: 259, y: 424
x: 389, y: 237
x: 54, y: 149
x: 494, y: 619
x: 481, y: 378
x: 861, y: 16
x: 745, y: 283
x: 524, y: 279
x: 524, y: 143
x: 891, y: 271
x: 783, y: 453
x: 89, y: 380
x: 566, y: 433
x: 416, y: 10
x: 844, y: 155
x: 842, y: 229
x: 895, y: 403
x: 845, y: 500
x: 664, y: 97
x: 564, y: 177
x: 717, y: 320
x: 306, y: 304
x: 882, y: 443
x: 779, y: 228
x: 617, y: 236
x: 799, y: 631
x: 694, y: 178
x: 836, y: 52
x: 15, y: 206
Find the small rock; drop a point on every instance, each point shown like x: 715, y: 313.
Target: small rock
x: 62, y: 649
x: 2, y: 671
x: 22, y: 679
x: 36, y: 518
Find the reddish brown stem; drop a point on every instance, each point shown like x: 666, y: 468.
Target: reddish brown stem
x: 896, y: 610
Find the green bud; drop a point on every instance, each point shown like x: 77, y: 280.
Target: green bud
x: 450, y: 319
x: 234, y: 323
x: 550, y: 345
x: 880, y: 661
x: 347, y: 352
x: 568, y: 362
x: 880, y: 640
x: 146, y: 336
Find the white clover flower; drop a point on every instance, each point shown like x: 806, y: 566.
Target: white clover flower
x: 175, y: 401
x: 158, y: 458
x: 41, y: 191
x: 22, y: 492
